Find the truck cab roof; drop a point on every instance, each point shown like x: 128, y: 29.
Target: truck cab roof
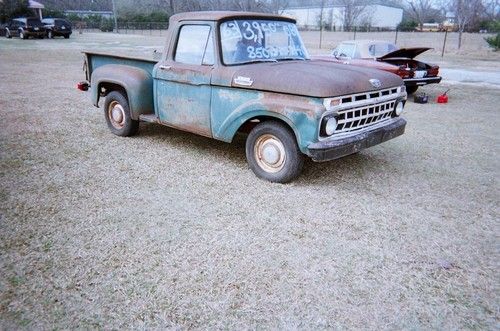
x: 223, y: 15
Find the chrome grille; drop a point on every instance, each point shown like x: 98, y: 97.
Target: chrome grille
x: 358, y: 118
x: 361, y: 111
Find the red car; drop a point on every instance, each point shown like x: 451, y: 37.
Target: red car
x: 386, y: 56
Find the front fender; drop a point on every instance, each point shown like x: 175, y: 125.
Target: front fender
x: 301, y: 114
x: 137, y: 82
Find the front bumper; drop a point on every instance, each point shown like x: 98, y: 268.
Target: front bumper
x: 333, y: 149
x: 61, y: 32
x: 422, y: 81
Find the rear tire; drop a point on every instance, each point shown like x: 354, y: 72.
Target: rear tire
x: 66, y: 36
x: 7, y: 34
x: 272, y: 152
x: 22, y: 35
x: 411, y: 89
x: 117, y: 114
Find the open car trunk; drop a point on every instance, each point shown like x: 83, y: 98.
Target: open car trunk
x: 408, y: 53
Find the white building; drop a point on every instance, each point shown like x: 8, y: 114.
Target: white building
x: 375, y: 16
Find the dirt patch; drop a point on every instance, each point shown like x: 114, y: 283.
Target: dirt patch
x: 169, y: 229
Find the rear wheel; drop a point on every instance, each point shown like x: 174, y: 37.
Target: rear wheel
x: 66, y: 36
x: 7, y: 34
x: 117, y: 114
x: 272, y: 152
x: 22, y: 35
x: 411, y: 89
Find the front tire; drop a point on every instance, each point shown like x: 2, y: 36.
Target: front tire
x: 7, y: 34
x: 272, y: 152
x: 50, y: 35
x: 117, y: 114
x: 22, y: 35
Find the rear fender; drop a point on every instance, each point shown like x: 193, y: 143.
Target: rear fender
x: 138, y: 84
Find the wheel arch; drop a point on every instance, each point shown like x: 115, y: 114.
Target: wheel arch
x: 135, y: 83
x: 245, y: 122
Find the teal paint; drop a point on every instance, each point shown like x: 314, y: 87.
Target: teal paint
x: 232, y: 107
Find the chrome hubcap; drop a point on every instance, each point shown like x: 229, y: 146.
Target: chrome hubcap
x: 269, y: 153
x: 116, y: 114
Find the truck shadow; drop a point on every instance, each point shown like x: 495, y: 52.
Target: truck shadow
x: 325, y: 173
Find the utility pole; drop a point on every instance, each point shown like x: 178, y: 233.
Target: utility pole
x: 321, y: 23
x: 114, y: 15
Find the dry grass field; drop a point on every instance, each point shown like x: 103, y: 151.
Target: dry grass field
x: 171, y: 230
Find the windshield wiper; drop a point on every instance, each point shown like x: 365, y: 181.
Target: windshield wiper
x: 257, y: 61
x: 291, y: 59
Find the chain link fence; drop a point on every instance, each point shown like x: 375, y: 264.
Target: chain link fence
x: 322, y: 41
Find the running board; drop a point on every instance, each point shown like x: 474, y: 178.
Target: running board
x: 151, y: 118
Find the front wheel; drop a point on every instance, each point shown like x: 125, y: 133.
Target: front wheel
x: 50, y: 35
x: 22, y: 35
x: 7, y: 34
x: 272, y: 152
x: 117, y: 114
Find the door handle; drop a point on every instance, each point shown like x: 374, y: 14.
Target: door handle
x: 164, y: 67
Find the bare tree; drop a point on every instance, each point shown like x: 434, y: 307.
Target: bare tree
x: 278, y: 6
x: 352, y: 10
x: 420, y: 10
x: 491, y: 9
x: 465, y: 12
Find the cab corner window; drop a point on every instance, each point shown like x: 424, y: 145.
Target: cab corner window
x: 195, y: 45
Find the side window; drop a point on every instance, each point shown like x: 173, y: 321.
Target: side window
x: 195, y: 45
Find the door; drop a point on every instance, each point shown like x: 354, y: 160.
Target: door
x: 182, y: 81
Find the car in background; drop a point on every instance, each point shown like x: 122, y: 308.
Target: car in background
x: 387, y: 56
x: 57, y: 27
x: 24, y: 28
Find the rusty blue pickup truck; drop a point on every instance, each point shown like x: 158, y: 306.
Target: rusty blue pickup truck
x: 227, y: 72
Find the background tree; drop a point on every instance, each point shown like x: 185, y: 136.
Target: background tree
x: 353, y: 9
x: 465, y: 12
x: 13, y: 8
x: 419, y: 11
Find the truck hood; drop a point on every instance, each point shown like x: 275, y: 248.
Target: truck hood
x: 408, y: 53
x: 370, y: 63
x: 317, y: 78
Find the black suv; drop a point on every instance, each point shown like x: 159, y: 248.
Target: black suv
x: 57, y: 27
x: 25, y: 28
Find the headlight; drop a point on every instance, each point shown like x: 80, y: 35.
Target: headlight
x: 399, y: 108
x: 330, y: 126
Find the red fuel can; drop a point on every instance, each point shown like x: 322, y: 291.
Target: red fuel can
x: 443, y: 98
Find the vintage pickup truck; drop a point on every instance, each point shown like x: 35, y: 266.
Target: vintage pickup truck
x: 227, y: 72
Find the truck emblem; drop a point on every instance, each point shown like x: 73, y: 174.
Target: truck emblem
x: 244, y: 81
x: 375, y: 82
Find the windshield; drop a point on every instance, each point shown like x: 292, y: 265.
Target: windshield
x: 59, y: 23
x: 344, y: 50
x: 246, y: 41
